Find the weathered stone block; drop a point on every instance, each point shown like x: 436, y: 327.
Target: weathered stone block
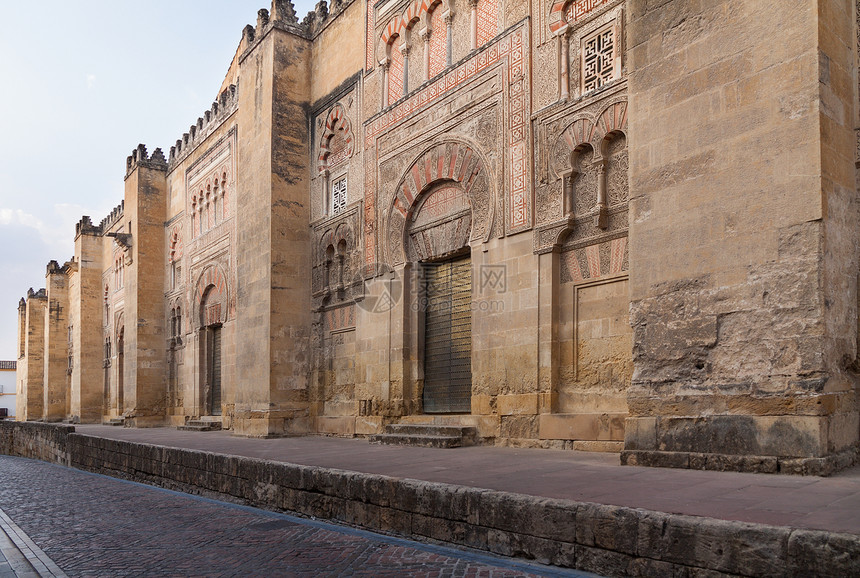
x: 732, y: 547
x: 603, y: 427
x: 598, y: 446
x: 342, y: 426
x: 607, y: 527
x: 368, y: 425
x: 790, y: 436
x: 807, y: 549
x: 526, y: 404
x: 606, y: 562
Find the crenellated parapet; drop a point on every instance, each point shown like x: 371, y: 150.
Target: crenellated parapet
x: 213, y: 118
x: 323, y: 14
x: 85, y: 227
x: 53, y: 268
x: 40, y: 294
x: 112, y: 218
x: 140, y: 158
x: 283, y: 16
x: 283, y: 11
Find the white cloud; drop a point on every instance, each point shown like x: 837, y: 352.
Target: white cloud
x: 19, y: 217
x: 57, y: 233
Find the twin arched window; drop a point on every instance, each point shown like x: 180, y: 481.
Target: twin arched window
x: 433, y: 26
x: 208, y: 205
x: 176, y: 324
x: 118, y: 272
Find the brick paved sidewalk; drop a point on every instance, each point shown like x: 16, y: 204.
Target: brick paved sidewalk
x: 92, y: 525
x: 20, y: 557
x: 831, y: 504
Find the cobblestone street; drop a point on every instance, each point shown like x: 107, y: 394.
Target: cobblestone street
x: 92, y: 525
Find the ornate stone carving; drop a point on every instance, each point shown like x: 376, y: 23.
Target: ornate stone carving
x: 548, y: 237
x: 337, y: 259
x: 336, y: 142
x: 441, y: 223
x: 548, y: 202
x: 211, y: 297
x: 584, y: 182
x: 594, y: 261
x: 617, y: 172
x: 455, y: 164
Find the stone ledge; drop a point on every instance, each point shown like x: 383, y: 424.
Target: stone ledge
x: 610, y: 540
x: 824, y: 466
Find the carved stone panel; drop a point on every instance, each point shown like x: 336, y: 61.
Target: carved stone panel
x: 441, y: 224
x: 450, y: 177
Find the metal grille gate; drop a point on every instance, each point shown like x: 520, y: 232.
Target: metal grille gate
x: 216, y: 371
x: 448, y: 337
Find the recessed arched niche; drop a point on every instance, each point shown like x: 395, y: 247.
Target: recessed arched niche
x: 441, y: 223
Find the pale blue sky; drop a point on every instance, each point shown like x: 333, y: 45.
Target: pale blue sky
x: 82, y: 82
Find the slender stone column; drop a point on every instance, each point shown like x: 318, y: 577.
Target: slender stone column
x: 564, y: 68
x: 385, y: 64
x: 404, y: 49
x: 601, y: 216
x: 473, y: 24
x: 448, y: 16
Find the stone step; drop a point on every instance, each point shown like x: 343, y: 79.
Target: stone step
x: 427, y: 436
x: 116, y: 421
x: 200, y: 425
x: 417, y: 440
x: 431, y: 430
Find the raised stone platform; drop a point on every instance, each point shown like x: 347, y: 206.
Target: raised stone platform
x: 533, y: 504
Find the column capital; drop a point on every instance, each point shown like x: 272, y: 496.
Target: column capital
x: 563, y: 32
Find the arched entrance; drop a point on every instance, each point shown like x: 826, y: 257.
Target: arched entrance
x: 212, y: 312
x: 120, y: 369
x: 438, y: 232
x: 443, y: 204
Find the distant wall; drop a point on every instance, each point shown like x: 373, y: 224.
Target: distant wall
x: 7, y: 391
x: 611, y: 540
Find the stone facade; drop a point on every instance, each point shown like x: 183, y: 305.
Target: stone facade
x: 590, y: 224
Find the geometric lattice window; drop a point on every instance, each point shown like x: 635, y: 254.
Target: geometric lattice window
x: 338, y: 196
x: 598, y: 58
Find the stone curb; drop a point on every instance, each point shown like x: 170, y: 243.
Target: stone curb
x: 609, y: 540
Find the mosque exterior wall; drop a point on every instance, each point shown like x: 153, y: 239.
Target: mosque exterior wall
x: 596, y: 225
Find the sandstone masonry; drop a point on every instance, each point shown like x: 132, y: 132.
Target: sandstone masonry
x: 611, y: 225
